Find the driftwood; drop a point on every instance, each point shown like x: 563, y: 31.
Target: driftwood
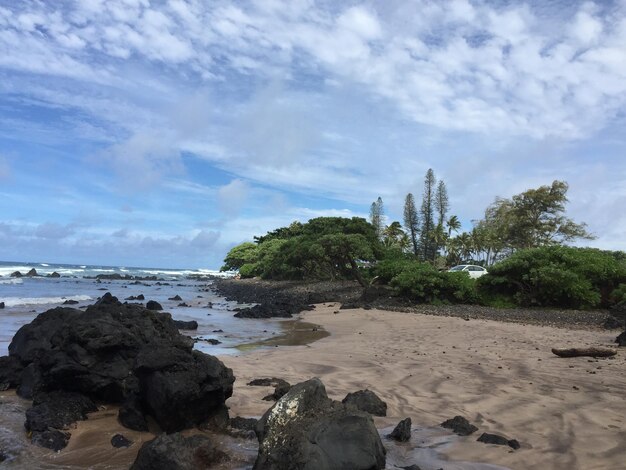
x: 577, y: 352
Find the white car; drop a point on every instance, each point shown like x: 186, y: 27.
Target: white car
x: 471, y: 269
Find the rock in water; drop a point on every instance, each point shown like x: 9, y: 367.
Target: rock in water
x: 460, y: 426
x: 366, y: 400
x: 402, y: 432
x: 1, y: 305
x: 32, y: 273
x: 175, y: 452
x: 306, y: 430
x: 153, y: 305
x: 120, y: 353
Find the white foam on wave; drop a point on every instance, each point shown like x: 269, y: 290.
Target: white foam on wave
x: 43, y: 264
x: 11, y: 281
x: 7, y: 270
x: 25, y: 301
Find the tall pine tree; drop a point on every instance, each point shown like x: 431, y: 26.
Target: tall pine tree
x: 427, y: 215
x: 377, y: 216
x: 411, y: 222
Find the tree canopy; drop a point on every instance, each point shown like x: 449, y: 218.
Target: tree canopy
x: 322, y: 248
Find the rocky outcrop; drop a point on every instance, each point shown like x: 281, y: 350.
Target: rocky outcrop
x: 176, y: 297
x: 176, y: 452
x: 460, y: 426
x: 54, y: 275
x: 308, y: 431
x: 1, y: 305
x: 366, y: 400
x: 16, y: 274
x: 272, y: 310
x: 136, y: 297
x: 120, y: 353
x: 32, y: 273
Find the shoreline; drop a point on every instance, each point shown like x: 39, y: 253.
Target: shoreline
x: 501, y: 376
x: 351, y: 295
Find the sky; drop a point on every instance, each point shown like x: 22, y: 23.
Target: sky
x: 162, y: 133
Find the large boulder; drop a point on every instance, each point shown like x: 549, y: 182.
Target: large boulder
x: 123, y: 354
x: 621, y: 339
x: 180, y: 389
x: 306, y: 430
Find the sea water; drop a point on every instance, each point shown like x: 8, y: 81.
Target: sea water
x: 26, y: 297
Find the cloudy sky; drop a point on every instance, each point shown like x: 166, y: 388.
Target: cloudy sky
x: 161, y: 133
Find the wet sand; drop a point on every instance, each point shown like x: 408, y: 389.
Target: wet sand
x: 566, y: 413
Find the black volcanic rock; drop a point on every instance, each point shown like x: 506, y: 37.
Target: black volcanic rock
x: 460, y: 426
x: 136, y: 297
x: 16, y: 274
x: 176, y: 297
x: 186, y: 325
x: 10, y: 372
x: 123, y: 354
x: 119, y: 440
x: 366, y: 400
x: 53, y: 412
x: 70, y: 302
x: 32, y: 273
x: 176, y: 452
x: 402, y: 432
x: 621, y: 339
x: 306, y: 430
x: 1, y: 305
x: 54, y: 274
x: 153, y: 305
x: 498, y: 440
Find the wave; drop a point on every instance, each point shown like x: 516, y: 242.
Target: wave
x: 43, y: 264
x: 11, y: 281
x: 25, y: 301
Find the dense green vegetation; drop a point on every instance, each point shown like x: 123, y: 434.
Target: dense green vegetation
x: 322, y: 248
x: 520, y: 239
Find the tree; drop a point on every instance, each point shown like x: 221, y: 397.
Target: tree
x: 428, y: 248
x: 453, y: 224
x: 441, y: 202
x: 377, y: 216
x: 411, y: 222
x: 323, y: 248
x: 393, y: 235
x: 245, y: 253
x: 531, y: 219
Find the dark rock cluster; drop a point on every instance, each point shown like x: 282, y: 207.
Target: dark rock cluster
x: 66, y: 360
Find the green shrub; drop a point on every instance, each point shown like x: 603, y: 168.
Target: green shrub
x: 389, y: 268
x: 555, y: 276
x: 248, y: 270
x: 421, y: 282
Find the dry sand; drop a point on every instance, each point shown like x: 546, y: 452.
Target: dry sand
x: 566, y: 413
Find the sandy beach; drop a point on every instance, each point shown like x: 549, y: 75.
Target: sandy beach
x: 566, y: 413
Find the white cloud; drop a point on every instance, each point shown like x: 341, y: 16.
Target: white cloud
x: 232, y: 197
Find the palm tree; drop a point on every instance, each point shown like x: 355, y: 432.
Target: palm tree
x: 454, y: 224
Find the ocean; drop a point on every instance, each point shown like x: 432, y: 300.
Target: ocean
x: 25, y: 297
